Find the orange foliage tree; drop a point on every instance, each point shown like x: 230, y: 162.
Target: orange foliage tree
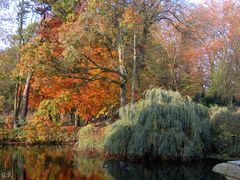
x: 87, y: 86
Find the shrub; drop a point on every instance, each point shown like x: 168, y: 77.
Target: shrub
x: 48, y: 108
x: 164, y: 125
x: 225, y: 127
x: 11, y: 135
x: 37, y: 130
x: 43, y: 127
x: 40, y: 129
x: 91, y: 138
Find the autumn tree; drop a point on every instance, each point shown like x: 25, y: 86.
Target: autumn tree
x: 23, y: 10
x: 116, y: 43
x: 43, y: 55
x: 224, y: 50
x: 216, y: 43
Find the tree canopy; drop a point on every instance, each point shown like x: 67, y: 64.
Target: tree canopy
x: 88, y: 56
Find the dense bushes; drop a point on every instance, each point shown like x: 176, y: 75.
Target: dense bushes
x: 38, y: 130
x: 91, y: 138
x: 215, y: 99
x: 225, y: 129
x: 163, y: 125
x: 168, y: 126
x: 42, y: 127
x: 48, y: 109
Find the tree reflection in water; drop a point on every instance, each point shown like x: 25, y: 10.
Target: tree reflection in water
x: 57, y: 162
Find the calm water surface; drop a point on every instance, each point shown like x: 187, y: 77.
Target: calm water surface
x: 52, y: 162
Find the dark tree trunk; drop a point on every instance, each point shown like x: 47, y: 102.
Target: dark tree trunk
x: 16, y: 104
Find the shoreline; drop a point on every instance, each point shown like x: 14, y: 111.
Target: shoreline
x: 50, y: 143
x: 96, y: 153
x: 93, y: 153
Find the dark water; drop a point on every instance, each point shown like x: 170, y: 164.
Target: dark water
x: 53, y: 162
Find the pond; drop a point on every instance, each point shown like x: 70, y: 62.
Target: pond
x: 57, y: 162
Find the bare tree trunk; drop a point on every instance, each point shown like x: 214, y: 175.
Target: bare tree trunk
x: 77, y: 120
x: 25, y: 97
x: 61, y: 117
x: 20, y: 97
x: 122, y: 69
x: 173, y: 70
x: 123, y: 95
x: 134, y: 73
x: 141, y: 55
x: 16, y: 109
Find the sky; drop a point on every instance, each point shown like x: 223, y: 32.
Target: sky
x: 11, y: 27
x: 197, y: 1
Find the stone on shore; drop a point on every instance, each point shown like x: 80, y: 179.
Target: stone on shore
x: 231, y: 169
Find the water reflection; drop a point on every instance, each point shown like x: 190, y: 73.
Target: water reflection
x: 54, y: 162
x: 165, y: 171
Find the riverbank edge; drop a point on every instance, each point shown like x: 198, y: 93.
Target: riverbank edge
x: 93, y: 153
x: 23, y: 143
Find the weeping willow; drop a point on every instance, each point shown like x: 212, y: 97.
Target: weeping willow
x: 163, y: 125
